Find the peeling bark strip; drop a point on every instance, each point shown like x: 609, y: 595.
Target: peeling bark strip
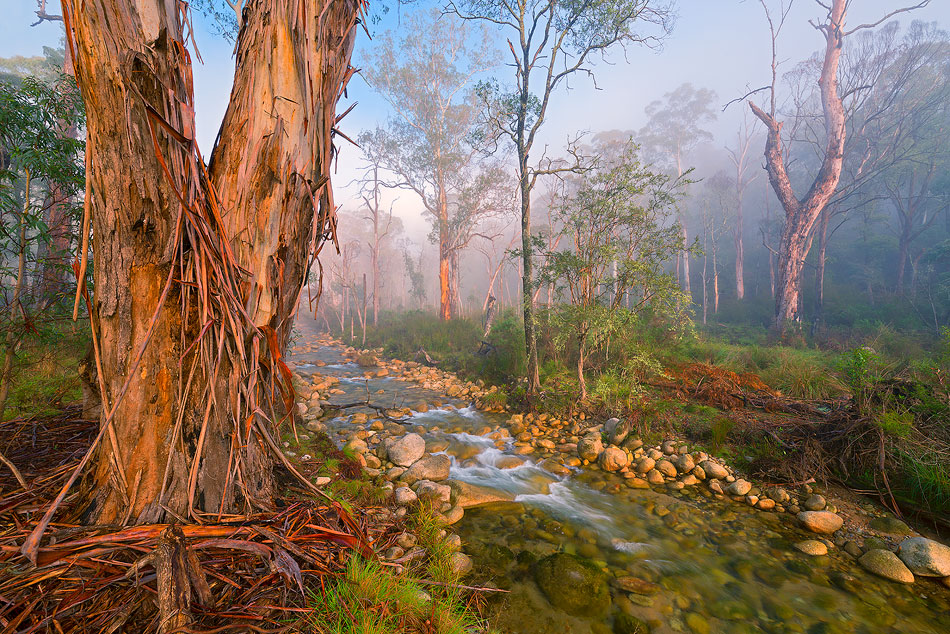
x: 192, y: 435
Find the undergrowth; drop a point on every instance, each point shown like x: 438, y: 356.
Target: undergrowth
x: 45, y: 374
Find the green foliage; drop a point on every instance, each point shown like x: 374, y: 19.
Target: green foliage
x: 369, y: 599
x: 45, y: 374
x: 895, y: 423
x: 719, y: 431
x: 861, y: 368
x: 617, y: 234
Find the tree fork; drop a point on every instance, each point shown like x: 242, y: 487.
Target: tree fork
x: 237, y: 241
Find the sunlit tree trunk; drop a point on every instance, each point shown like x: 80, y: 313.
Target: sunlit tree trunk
x: 184, y: 386
x: 820, y: 269
x: 801, y: 214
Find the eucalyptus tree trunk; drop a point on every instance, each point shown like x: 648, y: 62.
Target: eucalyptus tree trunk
x: 801, y: 214
x: 197, y: 272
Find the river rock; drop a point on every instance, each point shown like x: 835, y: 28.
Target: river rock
x: 406, y: 450
x: 886, y: 564
x: 889, y: 525
x: 590, y: 447
x: 449, y: 517
x: 452, y: 542
x: 668, y: 447
x: 654, y: 477
x: 822, y: 522
x: 574, y: 585
x: 666, y: 468
x: 684, y: 463
x: 645, y: 464
x: 509, y: 462
x: 470, y: 495
x: 739, y: 487
x: 925, y: 557
x: 613, y: 459
x: 356, y: 446
x: 715, y: 486
x: 812, y: 547
x: 435, y: 468
x: 689, y: 480
x: 814, y: 503
x: 714, y: 469
x: 616, y: 430
x: 405, y: 496
x: 460, y: 564
x: 429, y: 490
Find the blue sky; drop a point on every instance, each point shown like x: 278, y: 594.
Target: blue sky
x: 718, y: 44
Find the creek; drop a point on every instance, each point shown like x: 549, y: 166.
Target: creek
x: 663, y: 561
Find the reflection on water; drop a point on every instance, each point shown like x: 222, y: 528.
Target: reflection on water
x: 677, y: 562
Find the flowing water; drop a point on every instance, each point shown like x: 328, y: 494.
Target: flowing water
x: 700, y: 564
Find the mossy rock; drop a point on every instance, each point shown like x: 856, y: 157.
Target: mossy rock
x: 573, y: 585
x: 889, y: 525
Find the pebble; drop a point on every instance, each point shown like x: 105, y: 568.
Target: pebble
x: 814, y: 503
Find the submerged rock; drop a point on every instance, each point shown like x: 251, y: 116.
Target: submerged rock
x: 627, y: 624
x: 470, y: 495
x: 925, y: 557
x: 812, y: 547
x: 573, y: 584
x: 460, y: 564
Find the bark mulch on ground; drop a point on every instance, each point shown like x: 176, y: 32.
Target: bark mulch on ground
x: 252, y: 574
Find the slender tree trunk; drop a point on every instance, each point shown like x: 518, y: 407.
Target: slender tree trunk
x: 902, y: 255
x: 10, y: 338
x: 715, y: 277
x: 581, y: 354
x: 705, y: 259
x: 740, y: 251
x: 188, y: 341
x: 686, y: 282
x: 527, y: 280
